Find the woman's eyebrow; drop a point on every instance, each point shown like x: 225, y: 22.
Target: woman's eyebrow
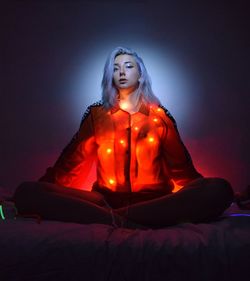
x: 124, y: 62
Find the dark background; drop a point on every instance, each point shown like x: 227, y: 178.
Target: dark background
x: 45, y: 45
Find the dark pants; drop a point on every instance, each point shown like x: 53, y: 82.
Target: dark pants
x: 201, y: 200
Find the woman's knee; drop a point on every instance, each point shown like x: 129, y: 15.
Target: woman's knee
x: 214, y: 188
x: 25, y: 187
x: 221, y: 187
x: 24, y: 195
x: 27, y: 191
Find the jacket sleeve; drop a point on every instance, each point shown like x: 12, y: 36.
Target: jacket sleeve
x: 76, y: 159
x: 177, y: 158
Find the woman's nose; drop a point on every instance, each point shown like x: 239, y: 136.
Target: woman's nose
x: 122, y: 73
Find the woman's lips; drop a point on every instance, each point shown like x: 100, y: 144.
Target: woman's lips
x: 123, y: 80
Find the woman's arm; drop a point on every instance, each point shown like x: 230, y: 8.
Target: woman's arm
x: 75, y: 162
x: 177, y: 158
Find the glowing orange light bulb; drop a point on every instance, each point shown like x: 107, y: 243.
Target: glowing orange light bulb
x: 121, y: 141
x: 151, y: 139
x: 158, y: 109
x: 109, y: 150
x: 176, y: 187
x: 111, y: 181
x: 124, y: 105
x: 155, y: 119
x: 136, y: 128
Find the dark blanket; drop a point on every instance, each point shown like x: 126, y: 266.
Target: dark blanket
x: 53, y: 250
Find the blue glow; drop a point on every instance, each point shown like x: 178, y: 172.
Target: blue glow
x: 172, y: 82
x: 239, y: 215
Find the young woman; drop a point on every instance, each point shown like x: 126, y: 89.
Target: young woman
x: 139, y: 157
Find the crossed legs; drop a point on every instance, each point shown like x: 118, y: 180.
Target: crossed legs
x: 53, y: 202
x: 201, y: 200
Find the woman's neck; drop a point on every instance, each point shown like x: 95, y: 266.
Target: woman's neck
x: 129, y: 102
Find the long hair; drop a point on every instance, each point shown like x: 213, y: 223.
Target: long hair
x: 109, y: 91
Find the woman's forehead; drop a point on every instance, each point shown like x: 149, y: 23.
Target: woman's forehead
x: 123, y: 58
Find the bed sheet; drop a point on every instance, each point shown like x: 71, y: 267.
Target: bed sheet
x: 52, y: 250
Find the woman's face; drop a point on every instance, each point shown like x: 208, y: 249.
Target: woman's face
x: 126, y: 72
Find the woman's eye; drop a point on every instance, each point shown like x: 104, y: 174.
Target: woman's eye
x: 127, y: 66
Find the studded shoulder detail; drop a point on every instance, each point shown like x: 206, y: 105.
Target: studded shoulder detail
x: 87, y: 111
x: 168, y: 114
x: 175, y: 125
x: 85, y: 115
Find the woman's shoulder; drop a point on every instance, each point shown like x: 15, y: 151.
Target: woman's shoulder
x: 164, y: 113
x: 97, y: 106
x: 98, y: 103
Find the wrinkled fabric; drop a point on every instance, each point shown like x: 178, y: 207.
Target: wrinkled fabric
x: 133, y: 152
x: 53, y: 250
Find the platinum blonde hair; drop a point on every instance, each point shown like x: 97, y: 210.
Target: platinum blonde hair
x: 109, y: 91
